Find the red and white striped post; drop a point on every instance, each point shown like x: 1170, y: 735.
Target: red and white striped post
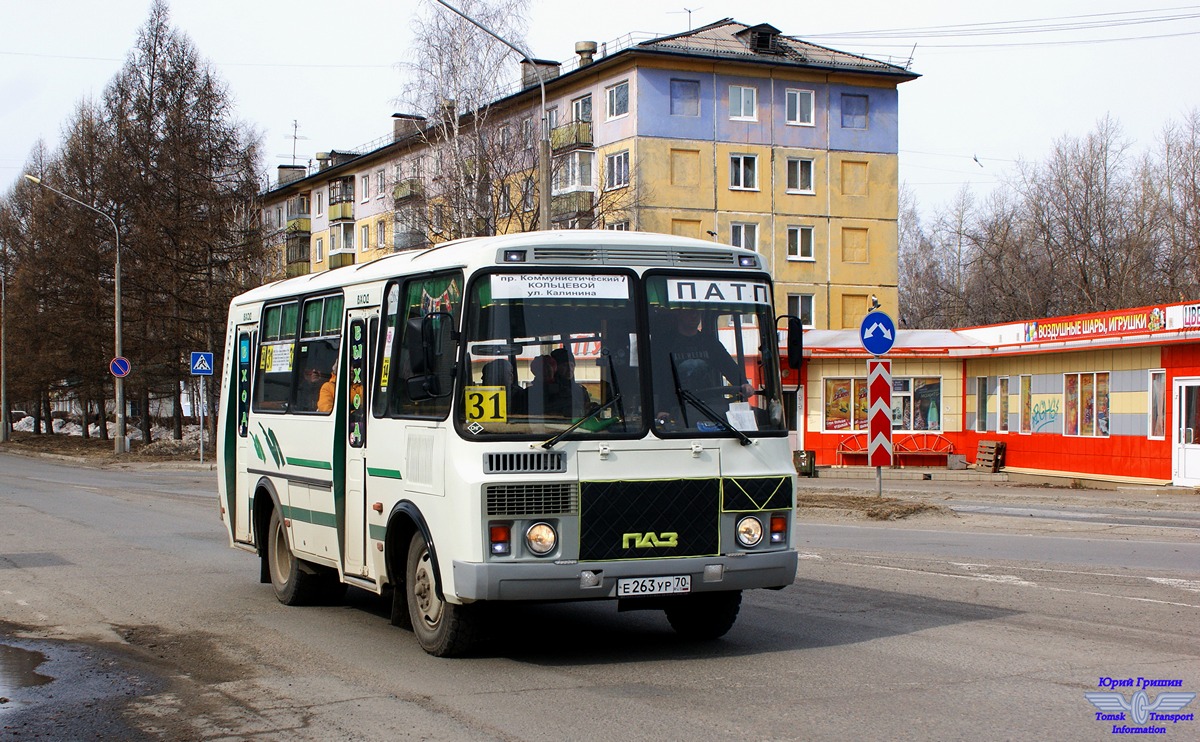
x: 879, y: 416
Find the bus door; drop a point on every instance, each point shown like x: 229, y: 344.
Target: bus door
x: 352, y: 427
x: 243, y: 370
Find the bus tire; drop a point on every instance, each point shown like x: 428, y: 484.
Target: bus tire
x: 297, y: 582
x: 704, y: 616
x: 442, y: 629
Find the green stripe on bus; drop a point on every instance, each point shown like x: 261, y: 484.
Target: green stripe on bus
x: 304, y: 515
x: 385, y: 473
x: 311, y: 464
x: 377, y: 533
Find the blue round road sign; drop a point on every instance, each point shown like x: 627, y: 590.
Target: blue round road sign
x: 877, y: 333
x: 119, y: 367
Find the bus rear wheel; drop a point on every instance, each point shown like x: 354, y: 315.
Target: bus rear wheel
x: 704, y: 616
x: 443, y: 629
x: 295, y: 581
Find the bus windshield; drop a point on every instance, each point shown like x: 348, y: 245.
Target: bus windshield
x: 713, y: 364
x: 547, y: 350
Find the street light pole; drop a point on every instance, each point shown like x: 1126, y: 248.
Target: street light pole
x: 5, y: 423
x: 544, y: 142
x: 118, y: 382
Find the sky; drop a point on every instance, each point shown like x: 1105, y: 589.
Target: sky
x: 999, y: 84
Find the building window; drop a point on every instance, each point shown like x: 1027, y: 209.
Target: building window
x: 799, y: 175
x: 366, y: 188
x: 854, y: 111
x: 743, y: 172
x: 552, y: 118
x: 365, y: 242
x: 618, y: 99
x: 617, y: 170
x: 618, y: 226
x: 743, y: 103
x: 1025, y: 409
x: 527, y: 133
x: 574, y: 172
x: 319, y: 250
x: 800, y: 243
x: 1158, y: 405
x: 527, y: 194
x: 801, y: 305
x: 799, y: 105
x: 685, y: 97
x: 320, y: 203
x: 278, y: 216
x: 981, y: 403
x: 581, y: 108
x: 1002, y: 405
x: 916, y: 404
x: 744, y: 234
x: 381, y: 234
x: 379, y: 184
x: 1085, y: 407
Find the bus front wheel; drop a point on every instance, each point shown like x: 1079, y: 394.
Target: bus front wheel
x: 442, y: 629
x: 704, y: 616
x: 297, y: 582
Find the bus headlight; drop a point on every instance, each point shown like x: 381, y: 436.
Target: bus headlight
x: 541, y: 538
x: 749, y: 531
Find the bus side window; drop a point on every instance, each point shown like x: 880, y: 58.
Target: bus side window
x: 420, y: 297
x: 273, y: 375
x: 320, y: 339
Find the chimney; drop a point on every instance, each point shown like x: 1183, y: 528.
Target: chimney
x: 291, y: 173
x: 322, y: 160
x: 546, y: 68
x: 447, y: 111
x: 406, y: 124
x: 586, y: 51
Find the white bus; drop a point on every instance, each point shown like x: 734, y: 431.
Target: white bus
x: 537, y: 417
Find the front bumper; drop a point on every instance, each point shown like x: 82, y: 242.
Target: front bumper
x: 563, y: 581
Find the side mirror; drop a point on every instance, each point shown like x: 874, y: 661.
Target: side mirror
x: 795, y: 341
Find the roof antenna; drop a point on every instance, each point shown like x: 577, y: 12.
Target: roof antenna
x: 911, y: 54
x: 295, y: 137
x: 689, y: 11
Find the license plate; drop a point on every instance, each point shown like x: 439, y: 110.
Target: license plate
x: 635, y: 586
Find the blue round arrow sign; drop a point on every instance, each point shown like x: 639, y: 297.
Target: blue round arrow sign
x: 119, y: 367
x: 877, y: 333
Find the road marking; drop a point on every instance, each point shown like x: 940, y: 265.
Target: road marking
x: 1191, y: 585
x: 809, y: 556
x: 1013, y: 580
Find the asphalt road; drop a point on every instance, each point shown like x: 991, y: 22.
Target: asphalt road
x: 124, y: 615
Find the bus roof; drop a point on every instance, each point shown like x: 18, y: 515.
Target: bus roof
x: 575, y: 247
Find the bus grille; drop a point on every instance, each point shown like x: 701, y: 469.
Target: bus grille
x: 525, y: 462
x: 635, y: 255
x: 542, y: 498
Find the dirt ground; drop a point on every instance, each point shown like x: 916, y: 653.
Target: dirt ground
x: 97, y: 451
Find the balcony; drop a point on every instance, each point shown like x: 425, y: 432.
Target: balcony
x: 299, y: 224
x: 296, y: 255
x: 408, y: 188
x: 341, y: 211
x: 571, y: 205
x: 574, y: 135
x: 340, y: 259
x: 409, y: 240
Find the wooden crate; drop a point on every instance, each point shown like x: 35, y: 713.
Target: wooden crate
x: 990, y: 456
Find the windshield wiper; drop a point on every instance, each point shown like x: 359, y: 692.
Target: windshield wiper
x: 685, y: 395
x: 590, y: 416
x: 711, y: 414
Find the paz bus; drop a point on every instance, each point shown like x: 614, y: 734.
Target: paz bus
x: 548, y: 416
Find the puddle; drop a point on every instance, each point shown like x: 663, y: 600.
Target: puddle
x: 18, y: 669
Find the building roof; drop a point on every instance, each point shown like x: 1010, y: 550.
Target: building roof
x: 1152, y: 325
x: 729, y: 39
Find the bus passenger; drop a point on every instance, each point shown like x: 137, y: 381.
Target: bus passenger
x: 500, y: 373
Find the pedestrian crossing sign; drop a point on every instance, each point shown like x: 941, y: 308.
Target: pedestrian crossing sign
x: 202, y: 364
